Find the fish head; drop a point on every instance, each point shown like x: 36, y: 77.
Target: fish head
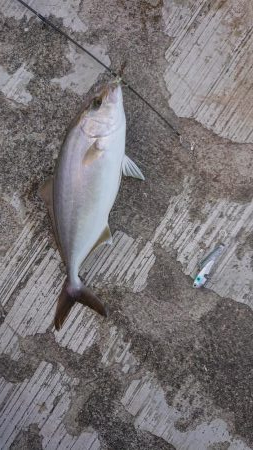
x: 105, y: 111
x: 107, y: 102
x: 199, y: 281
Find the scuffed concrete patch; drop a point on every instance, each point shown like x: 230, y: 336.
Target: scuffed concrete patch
x: 143, y: 393
x: 84, y: 71
x: 17, y: 203
x: 45, y: 399
x: 67, y: 11
x: 13, y: 86
x: 209, y: 69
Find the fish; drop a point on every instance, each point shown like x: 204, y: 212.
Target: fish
x: 207, y: 265
x: 83, y: 189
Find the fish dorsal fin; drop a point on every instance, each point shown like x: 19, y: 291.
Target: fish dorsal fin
x: 130, y: 169
x: 105, y: 238
x: 92, y: 154
x: 46, y: 194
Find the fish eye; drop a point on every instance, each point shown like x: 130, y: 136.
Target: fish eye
x: 97, y: 102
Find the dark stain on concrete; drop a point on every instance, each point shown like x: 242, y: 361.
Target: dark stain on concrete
x: 98, y: 411
x: 220, y: 169
x: 31, y: 43
x: 227, y: 353
x: 219, y: 446
x: 245, y: 243
x: 28, y: 439
x: 147, y: 12
x: 17, y: 371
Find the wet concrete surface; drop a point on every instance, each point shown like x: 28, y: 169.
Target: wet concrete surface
x: 172, y: 366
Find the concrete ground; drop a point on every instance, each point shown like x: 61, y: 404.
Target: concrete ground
x: 172, y: 367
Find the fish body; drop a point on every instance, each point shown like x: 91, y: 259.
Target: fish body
x: 84, y: 187
x: 86, y: 183
x: 206, y: 266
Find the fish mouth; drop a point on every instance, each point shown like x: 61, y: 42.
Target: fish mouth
x: 111, y: 91
x: 105, y: 88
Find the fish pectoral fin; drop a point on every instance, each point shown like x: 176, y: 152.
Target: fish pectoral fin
x: 92, y: 154
x: 105, y: 238
x: 130, y: 169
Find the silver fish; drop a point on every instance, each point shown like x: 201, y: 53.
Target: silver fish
x: 84, y: 187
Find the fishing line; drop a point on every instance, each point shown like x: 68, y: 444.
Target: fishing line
x: 112, y: 72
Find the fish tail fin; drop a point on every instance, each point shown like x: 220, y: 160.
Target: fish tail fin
x: 69, y: 296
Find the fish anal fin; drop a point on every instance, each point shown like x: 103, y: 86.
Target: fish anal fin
x: 130, y: 169
x: 104, y: 238
x: 92, y: 154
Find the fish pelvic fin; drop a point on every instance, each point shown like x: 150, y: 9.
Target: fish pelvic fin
x: 69, y: 296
